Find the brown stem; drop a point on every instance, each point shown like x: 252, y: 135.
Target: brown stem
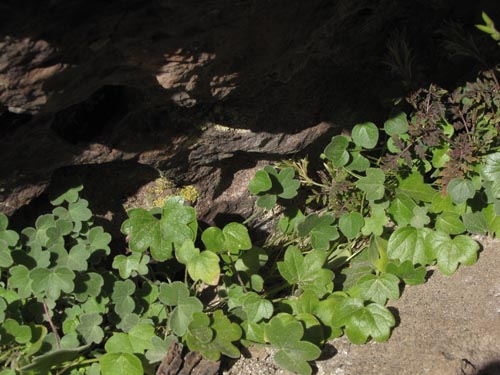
x: 51, y: 324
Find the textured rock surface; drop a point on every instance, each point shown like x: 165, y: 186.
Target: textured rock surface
x: 160, y: 82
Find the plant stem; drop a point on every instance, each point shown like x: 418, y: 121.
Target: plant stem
x: 51, y: 323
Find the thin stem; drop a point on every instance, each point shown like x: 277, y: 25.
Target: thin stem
x: 51, y: 323
x: 233, y: 266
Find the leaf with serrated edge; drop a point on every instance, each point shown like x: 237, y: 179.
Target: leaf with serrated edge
x: 306, y: 272
x: 372, y: 184
x: 408, y: 243
x: 292, y: 353
x: 177, y: 294
x: 52, y: 282
x: 90, y: 329
x: 378, y: 288
x: 450, y: 252
x: 362, y: 321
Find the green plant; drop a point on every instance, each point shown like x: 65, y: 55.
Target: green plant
x: 489, y: 28
x: 386, y: 203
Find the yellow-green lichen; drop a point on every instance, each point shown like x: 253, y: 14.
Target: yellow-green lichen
x: 189, y: 193
x: 156, y: 193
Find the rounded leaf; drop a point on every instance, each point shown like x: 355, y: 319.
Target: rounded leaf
x: 396, y: 125
x: 336, y: 151
x: 365, y: 135
x: 350, y: 224
x: 460, y: 190
x: 260, y: 183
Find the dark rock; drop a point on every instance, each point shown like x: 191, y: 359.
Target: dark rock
x: 203, y: 92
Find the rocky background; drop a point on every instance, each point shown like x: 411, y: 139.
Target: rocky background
x: 114, y: 94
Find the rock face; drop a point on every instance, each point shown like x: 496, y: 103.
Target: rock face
x: 201, y: 92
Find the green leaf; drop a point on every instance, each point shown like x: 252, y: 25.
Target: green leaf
x: 120, y: 364
x: 79, y: 211
x: 99, y: 240
x: 460, y: 190
x: 372, y: 184
x: 288, y: 183
x: 307, y: 272
x: 9, y: 236
x: 420, y: 218
x: 256, y: 307
x: 213, y: 239
x: 350, y: 224
x: 70, y: 196
x: 440, y: 157
x: 267, y: 201
x: 365, y: 135
x: 236, y: 238
x: 253, y: 333
x: 225, y: 333
x: 205, y: 267
x: 75, y: 259
x: 20, y: 280
x: 121, y: 297
x: 19, y: 333
x: 177, y: 224
x: 251, y: 261
x: 260, y: 183
x: 475, y: 222
x: 336, y: 151
x: 313, y: 329
x: 362, y: 322
x: 375, y: 223
x: 291, y: 218
x: 414, y: 187
x: 159, y: 348
x: 491, y: 172
x: 377, y: 288
x: 396, y: 125
x: 51, y: 282
x: 42, y: 364
x: 137, y: 340
x: 177, y: 294
x: 90, y: 329
x: 134, y: 264
x: 187, y: 253
x: 292, y: 353
x: 321, y: 230
x: 449, y: 222
x: 5, y: 256
x: 450, y: 252
x: 88, y: 284
x: 407, y: 272
x: 202, y: 266
x: 144, y: 232
x: 359, y: 162
x: 408, y: 243
x: 492, y: 219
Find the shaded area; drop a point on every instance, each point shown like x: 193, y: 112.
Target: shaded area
x: 123, y: 80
